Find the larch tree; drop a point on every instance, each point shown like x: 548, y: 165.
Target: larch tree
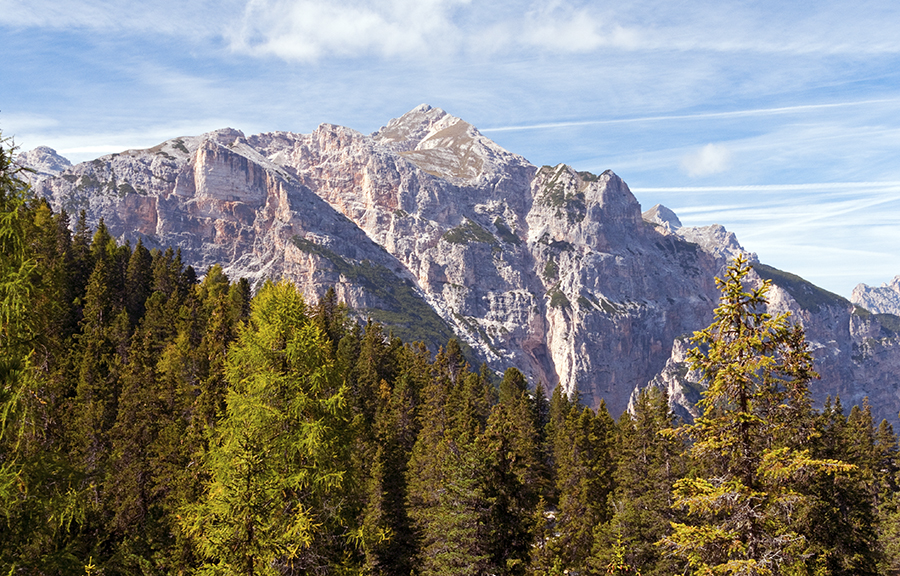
x: 750, y: 444
x: 277, y: 462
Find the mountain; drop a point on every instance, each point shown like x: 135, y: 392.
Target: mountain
x: 433, y: 229
x: 882, y: 300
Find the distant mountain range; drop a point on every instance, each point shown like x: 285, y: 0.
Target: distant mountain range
x: 436, y: 231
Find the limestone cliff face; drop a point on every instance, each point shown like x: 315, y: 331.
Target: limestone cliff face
x: 884, y: 299
x: 432, y: 228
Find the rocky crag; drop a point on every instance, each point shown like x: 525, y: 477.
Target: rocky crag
x: 881, y: 300
x: 433, y: 229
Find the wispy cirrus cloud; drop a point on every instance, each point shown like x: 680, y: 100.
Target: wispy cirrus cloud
x: 730, y: 114
x: 201, y: 18
x: 310, y: 30
x: 835, y: 234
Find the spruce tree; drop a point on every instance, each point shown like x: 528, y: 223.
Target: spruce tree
x: 388, y: 538
x: 840, y: 512
x: 648, y: 465
x: 585, y: 469
x: 446, y: 499
x: 512, y: 476
x: 749, y: 445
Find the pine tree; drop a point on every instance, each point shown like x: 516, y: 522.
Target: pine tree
x: 513, y: 471
x: 648, y: 466
x: 840, y: 513
x: 445, y: 499
x: 277, y: 466
x: 388, y: 538
x: 749, y: 444
x: 889, y: 499
x: 585, y: 469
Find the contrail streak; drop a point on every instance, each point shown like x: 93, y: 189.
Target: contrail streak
x: 732, y: 114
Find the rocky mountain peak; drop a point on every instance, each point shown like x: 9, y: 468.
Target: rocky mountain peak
x: 445, y: 146
x: 432, y: 228
x: 45, y: 162
x: 225, y: 136
x: 663, y: 216
x: 879, y: 300
x: 406, y: 132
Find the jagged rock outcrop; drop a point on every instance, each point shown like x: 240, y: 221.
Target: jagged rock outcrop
x: 44, y: 161
x: 878, y: 300
x: 434, y: 229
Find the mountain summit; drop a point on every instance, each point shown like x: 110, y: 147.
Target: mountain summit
x: 433, y: 229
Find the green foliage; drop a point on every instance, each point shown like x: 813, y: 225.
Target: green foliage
x: 551, y: 270
x: 512, y: 476
x: 808, y: 296
x: 648, y: 464
x: 889, y: 323
x: 37, y: 498
x: 585, y: 464
x: 467, y: 232
x: 505, y: 233
x: 558, y: 299
x: 404, y: 311
x: 125, y: 189
x: 446, y: 499
x: 277, y: 464
x: 156, y: 425
x: 570, y: 205
x: 750, y: 446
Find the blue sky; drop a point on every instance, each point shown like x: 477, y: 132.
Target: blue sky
x: 779, y: 120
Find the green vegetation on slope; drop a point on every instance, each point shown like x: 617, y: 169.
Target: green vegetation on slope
x: 404, y: 311
x: 808, y: 295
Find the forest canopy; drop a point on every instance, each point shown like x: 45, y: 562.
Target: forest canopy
x: 153, y: 421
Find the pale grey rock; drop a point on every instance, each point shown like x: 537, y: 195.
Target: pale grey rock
x: 683, y: 386
x: 879, y: 300
x: 428, y: 223
x: 663, y: 216
x: 45, y: 163
x: 716, y: 240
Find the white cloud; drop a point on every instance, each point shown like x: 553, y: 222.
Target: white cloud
x: 578, y: 31
x: 711, y: 159
x: 307, y: 30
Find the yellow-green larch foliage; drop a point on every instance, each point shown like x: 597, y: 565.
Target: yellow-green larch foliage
x: 277, y: 462
x: 750, y: 446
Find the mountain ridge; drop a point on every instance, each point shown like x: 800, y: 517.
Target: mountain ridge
x: 554, y: 271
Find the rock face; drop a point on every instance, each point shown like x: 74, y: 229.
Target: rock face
x: 882, y: 300
x: 433, y: 229
x: 44, y: 161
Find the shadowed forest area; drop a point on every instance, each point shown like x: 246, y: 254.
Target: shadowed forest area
x: 155, y: 423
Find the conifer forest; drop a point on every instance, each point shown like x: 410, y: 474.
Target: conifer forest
x: 155, y: 419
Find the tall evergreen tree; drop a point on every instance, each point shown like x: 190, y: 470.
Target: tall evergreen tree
x: 388, y: 537
x: 748, y: 446
x: 840, y: 512
x: 273, y: 502
x: 648, y: 466
x: 889, y: 498
x: 585, y: 469
x: 512, y: 476
x: 445, y: 499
